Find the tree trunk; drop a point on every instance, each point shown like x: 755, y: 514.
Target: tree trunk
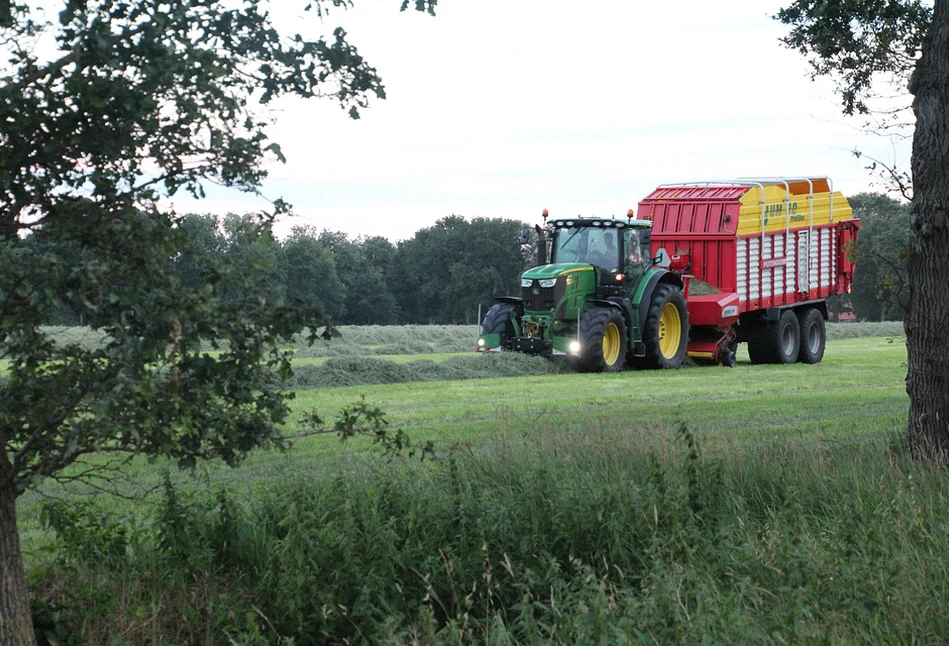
x: 16, y: 624
x: 927, y: 317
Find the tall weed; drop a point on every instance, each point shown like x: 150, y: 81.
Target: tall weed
x: 615, y: 535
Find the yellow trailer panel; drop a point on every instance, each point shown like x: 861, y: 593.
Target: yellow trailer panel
x: 780, y: 207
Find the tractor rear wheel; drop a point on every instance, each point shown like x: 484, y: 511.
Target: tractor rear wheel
x: 813, y: 335
x: 603, y: 339
x: 775, y: 342
x: 665, y: 329
x: 498, y: 321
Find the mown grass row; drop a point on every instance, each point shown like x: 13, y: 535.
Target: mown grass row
x: 375, y: 354
x: 362, y: 340
x: 371, y: 340
x: 364, y: 371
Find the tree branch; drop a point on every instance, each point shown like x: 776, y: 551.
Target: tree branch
x: 53, y: 423
x: 902, y: 181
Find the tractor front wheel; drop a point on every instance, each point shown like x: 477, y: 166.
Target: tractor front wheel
x: 665, y: 329
x: 603, y: 340
x: 498, y: 321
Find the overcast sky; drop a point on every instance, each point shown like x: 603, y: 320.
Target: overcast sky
x: 501, y: 108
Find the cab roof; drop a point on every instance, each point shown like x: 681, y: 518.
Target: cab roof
x: 606, y: 223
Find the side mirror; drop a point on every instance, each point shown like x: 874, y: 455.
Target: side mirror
x: 662, y: 259
x: 524, y: 236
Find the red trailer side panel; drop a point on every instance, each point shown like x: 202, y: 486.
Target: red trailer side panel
x: 774, y: 243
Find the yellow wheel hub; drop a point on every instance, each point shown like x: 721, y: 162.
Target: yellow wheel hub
x: 670, y: 331
x: 611, y: 344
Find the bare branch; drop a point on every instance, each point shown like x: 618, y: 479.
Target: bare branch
x: 902, y: 182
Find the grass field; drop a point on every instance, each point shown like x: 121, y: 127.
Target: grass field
x: 760, y: 504
x: 857, y: 389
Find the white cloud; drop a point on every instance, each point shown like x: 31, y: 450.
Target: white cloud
x: 502, y: 108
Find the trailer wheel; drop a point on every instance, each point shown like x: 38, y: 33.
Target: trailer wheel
x: 665, y: 330
x: 759, y: 348
x: 603, y: 340
x: 775, y: 342
x: 498, y: 321
x: 813, y: 335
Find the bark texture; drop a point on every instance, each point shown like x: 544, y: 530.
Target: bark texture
x: 927, y: 319
x: 16, y: 624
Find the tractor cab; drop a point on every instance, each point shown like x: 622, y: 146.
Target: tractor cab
x: 618, y: 249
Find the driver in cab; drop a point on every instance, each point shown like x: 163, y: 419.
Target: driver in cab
x: 604, y: 256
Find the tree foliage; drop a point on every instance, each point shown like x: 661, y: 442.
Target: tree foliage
x: 311, y: 275
x: 880, y: 290
x: 446, y: 270
x: 352, y: 281
x: 107, y: 106
x: 853, y: 41
x: 153, y: 388
x: 364, y: 267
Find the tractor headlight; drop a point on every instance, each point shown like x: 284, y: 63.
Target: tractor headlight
x: 574, y: 347
x: 526, y: 282
x: 548, y: 282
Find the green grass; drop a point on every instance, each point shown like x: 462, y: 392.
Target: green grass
x: 857, y: 388
x: 600, y: 536
x: 561, y: 508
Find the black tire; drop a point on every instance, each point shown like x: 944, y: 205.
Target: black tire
x: 813, y: 335
x: 759, y: 347
x: 775, y: 341
x: 498, y: 321
x: 665, y: 330
x: 603, y: 340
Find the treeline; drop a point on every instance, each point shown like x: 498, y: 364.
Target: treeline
x: 440, y: 275
x: 445, y: 272
x: 880, y: 291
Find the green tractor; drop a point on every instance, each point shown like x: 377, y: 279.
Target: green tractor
x: 602, y: 300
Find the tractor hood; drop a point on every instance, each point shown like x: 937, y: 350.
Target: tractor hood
x: 556, y: 270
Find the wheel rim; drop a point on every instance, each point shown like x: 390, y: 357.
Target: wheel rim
x: 813, y: 339
x: 670, y: 331
x: 611, y: 344
x: 787, y: 340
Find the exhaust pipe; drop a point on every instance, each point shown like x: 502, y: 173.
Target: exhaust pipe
x: 541, y: 246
